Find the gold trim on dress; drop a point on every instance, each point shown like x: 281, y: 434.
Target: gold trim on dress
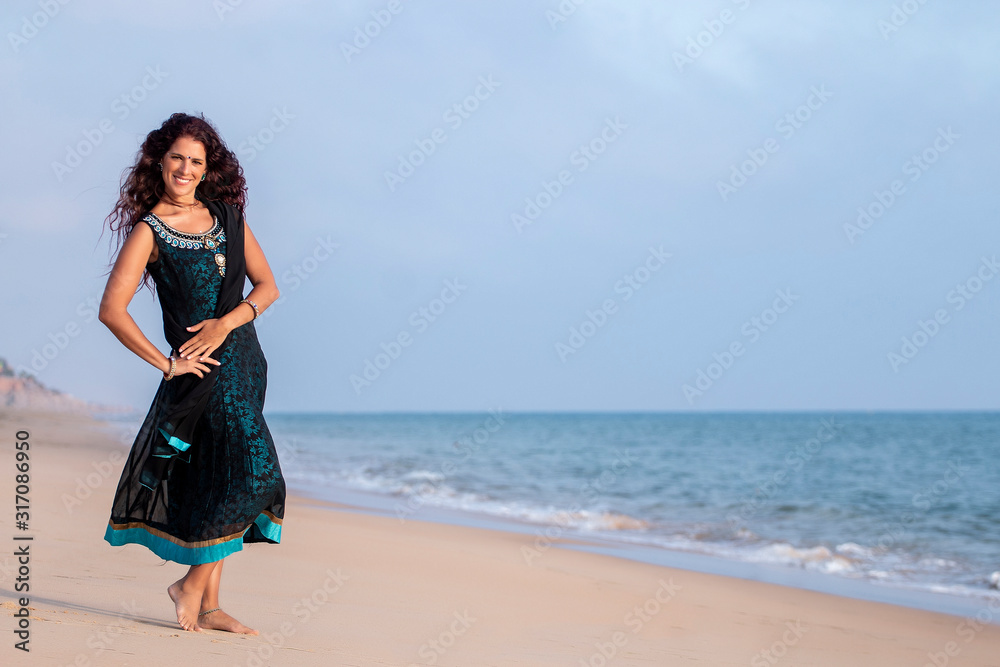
x: 188, y: 545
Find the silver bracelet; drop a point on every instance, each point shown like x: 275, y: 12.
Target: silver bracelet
x: 173, y: 368
x: 256, y: 310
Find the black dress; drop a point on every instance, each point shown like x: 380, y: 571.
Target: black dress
x: 225, y: 487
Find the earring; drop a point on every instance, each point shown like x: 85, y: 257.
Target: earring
x: 160, y: 165
x: 203, y: 177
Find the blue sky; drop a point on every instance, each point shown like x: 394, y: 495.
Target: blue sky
x: 635, y: 205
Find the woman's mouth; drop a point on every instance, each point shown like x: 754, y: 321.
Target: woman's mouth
x: 181, y: 181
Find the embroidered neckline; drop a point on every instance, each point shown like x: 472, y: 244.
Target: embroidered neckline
x: 181, y: 239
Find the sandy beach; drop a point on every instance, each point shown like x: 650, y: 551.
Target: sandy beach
x: 352, y: 588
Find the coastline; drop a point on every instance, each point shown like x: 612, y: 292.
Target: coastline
x: 356, y: 588
x: 778, y: 574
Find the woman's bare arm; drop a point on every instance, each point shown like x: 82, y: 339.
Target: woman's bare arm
x: 211, y: 332
x: 265, y: 289
x: 118, y: 293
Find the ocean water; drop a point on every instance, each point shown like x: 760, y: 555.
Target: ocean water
x: 906, y: 500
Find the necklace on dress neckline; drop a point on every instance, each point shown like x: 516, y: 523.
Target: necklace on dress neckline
x: 207, y: 239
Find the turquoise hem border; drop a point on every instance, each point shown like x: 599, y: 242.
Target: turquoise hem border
x: 175, y: 442
x: 172, y: 551
x: 268, y: 528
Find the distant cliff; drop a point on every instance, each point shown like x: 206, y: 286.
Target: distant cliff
x: 25, y: 392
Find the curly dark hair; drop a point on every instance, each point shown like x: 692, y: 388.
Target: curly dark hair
x: 142, y: 183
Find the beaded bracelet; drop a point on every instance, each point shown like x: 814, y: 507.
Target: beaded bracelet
x: 256, y: 310
x: 173, y: 368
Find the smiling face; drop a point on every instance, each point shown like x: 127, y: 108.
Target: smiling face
x: 183, y: 166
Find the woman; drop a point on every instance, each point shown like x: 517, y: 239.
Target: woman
x: 202, y: 477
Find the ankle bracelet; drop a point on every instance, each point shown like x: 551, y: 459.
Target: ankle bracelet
x: 202, y: 613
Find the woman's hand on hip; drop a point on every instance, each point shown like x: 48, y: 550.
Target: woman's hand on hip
x: 198, y: 366
x: 209, y: 336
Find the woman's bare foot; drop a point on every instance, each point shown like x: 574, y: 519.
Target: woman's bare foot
x: 187, y: 605
x: 220, y: 620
